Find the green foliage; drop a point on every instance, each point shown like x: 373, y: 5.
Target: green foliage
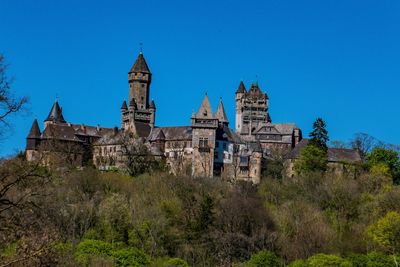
x: 264, y: 259
x: 88, y: 249
x: 386, y: 232
x: 169, y: 262
x: 10, y: 250
x: 326, y: 260
x: 319, y: 134
x: 115, y: 218
x: 312, y: 159
x: 376, y: 259
x: 387, y: 160
x: 130, y: 257
x: 298, y: 263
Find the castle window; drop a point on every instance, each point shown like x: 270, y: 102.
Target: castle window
x: 142, y: 85
x: 203, y: 142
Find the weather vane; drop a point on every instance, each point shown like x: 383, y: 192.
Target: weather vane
x: 141, y: 47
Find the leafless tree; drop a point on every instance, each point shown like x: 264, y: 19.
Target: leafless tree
x: 364, y: 143
x: 9, y: 104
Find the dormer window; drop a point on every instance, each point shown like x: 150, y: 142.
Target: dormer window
x: 205, y: 112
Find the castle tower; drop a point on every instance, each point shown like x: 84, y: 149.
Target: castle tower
x: 139, y: 109
x: 251, y: 109
x: 240, y: 92
x: 55, y: 115
x: 139, y: 78
x: 204, y: 126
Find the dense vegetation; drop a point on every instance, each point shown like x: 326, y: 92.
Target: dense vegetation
x: 69, y: 217
x: 63, y: 216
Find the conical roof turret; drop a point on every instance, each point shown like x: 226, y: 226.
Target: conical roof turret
x: 140, y: 65
x: 205, y: 110
x: 124, y: 106
x: 152, y: 104
x: 55, y: 114
x: 220, y: 114
x: 34, y: 133
x: 241, y: 89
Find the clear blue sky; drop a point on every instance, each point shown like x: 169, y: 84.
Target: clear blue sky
x: 336, y: 59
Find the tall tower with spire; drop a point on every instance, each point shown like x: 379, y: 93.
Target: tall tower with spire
x: 140, y: 110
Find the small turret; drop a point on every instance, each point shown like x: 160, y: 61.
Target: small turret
x: 220, y: 114
x: 124, y: 106
x: 34, y: 136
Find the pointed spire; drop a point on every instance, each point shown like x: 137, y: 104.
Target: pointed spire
x: 255, y: 89
x: 124, y: 106
x: 220, y: 114
x: 241, y: 89
x: 152, y: 104
x: 55, y: 114
x: 205, y: 110
x: 140, y: 65
x: 34, y: 133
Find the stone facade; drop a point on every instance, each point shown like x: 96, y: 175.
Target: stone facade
x: 207, y: 147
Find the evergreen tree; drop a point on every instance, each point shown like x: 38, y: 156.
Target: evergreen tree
x: 319, y: 135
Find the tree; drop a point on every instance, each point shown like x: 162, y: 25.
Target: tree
x: 312, y: 158
x: 380, y: 157
x: 319, y: 134
x: 264, y: 259
x: 9, y: 104
x: 363, y: 143
x: 386, y: 233
x: 136, y: 155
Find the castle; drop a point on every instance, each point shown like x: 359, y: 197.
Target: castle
x: 207, y: 147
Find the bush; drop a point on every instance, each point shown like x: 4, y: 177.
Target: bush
x: 130, y: 257
x: 327, y: 260
x: 264, y: 259
x: 87, y: 249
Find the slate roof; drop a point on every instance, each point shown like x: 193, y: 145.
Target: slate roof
x: 55, y: 113
x: 172, y: 133
x: 140, y: 65
x: 334, y: 154
x: 60, y: 132
x: 142, y: 129
x: 124, y: 106
x: 220, y: 113
x: 224, y: 133
x: 35, y: 131
x: 283, y: 129
x: 343, y: 155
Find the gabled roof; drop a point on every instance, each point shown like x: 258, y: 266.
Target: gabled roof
x: 140, y: 65
x: 334, y: 154
x: 241, y: 88
x: 205, y: 110
x: 220, y: 114
x: 55, y: 113
x: 160, y: 135
x: 35, y: 131
x: 172, y: 133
